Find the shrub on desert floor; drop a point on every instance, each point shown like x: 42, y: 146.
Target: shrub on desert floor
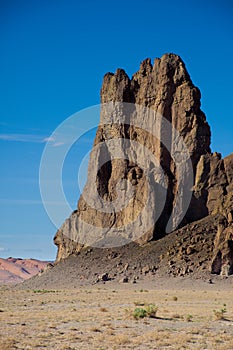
x: 139, y: 312
x: 220, y: 314
x: 150, y: 310
x: 189, y: 318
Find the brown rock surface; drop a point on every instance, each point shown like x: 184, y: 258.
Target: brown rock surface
x: 222, y: 262
x: 165, y: 88
x: 214, y: 183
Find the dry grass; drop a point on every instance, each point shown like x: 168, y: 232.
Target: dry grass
x: 74, y: 319
x: 220, y: 314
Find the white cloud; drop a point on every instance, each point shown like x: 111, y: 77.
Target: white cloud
x: 53, y: 141
x: 49, y: 139
x: 33, y: 138
x: 57, y: 144
x: 3, y: 249
x: 30, y: 138
x: 28, y: 202
x: 22, y: 138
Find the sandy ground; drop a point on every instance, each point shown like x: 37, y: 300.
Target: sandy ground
x: 100, y: 317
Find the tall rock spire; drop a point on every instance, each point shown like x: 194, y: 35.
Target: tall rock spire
x: 162, y: 90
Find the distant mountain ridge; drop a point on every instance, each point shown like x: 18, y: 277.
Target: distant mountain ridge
x: 15, y: 270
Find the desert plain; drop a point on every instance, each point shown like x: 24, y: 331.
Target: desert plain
x: 191, y: 314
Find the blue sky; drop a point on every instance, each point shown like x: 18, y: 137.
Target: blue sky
x: 53, y: 58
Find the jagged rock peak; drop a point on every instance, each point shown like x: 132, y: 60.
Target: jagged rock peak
x: 169, y: 67
x: 165, y: 87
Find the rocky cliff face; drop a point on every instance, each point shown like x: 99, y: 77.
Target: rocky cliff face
x: 165, y: 88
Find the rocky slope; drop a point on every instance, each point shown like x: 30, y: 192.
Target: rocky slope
x: 17, y: 270
x: 166, y: 89
x: 184, y: 253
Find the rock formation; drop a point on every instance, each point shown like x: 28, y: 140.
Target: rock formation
x: 166, y: 89
x: 222, y: 262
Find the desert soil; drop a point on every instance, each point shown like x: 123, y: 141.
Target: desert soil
x: 100, y: 316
